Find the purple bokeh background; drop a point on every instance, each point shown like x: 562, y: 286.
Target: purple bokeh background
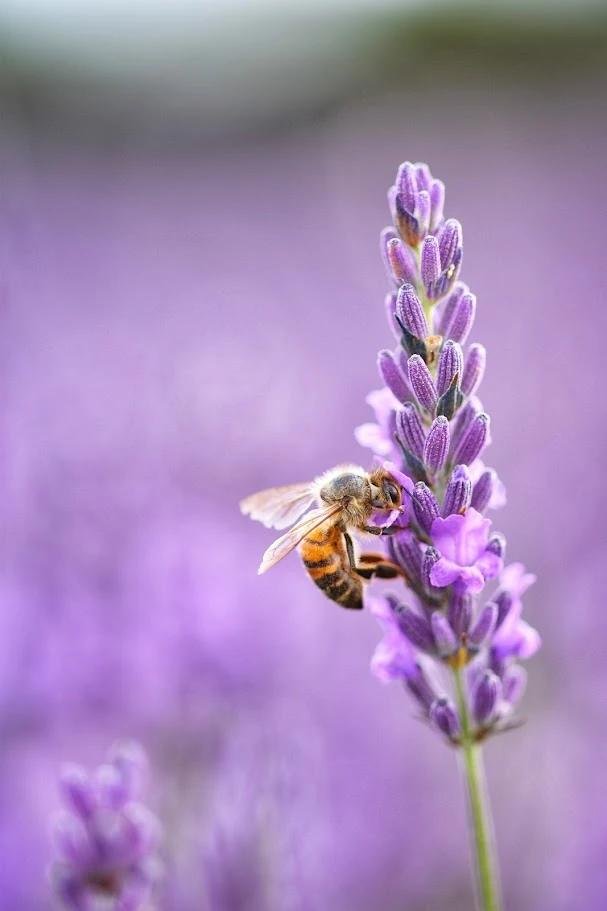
x: 179, y: 329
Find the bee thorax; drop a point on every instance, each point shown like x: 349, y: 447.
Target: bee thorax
x: 346, y: 486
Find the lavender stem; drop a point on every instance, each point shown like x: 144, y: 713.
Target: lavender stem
x: 482, y: 842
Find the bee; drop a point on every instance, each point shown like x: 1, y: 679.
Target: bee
x: 347, y: 497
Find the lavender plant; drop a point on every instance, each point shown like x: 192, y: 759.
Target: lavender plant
x: 431, y: 424
x: 106, y: 841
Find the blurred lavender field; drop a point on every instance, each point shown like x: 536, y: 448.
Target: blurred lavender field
x: 182, y: 326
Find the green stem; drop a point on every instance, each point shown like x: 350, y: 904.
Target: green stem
x: 482, y: 844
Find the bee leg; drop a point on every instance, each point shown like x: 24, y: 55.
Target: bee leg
x: 378, y: 567
x: 390, y: 530
x: 367, y: 572
x: 350, y: 550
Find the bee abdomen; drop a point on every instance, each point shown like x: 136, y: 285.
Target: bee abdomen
x: 324, y: 556
x: 341, y: 587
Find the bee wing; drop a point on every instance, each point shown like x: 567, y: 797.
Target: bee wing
x: 279, y: 507
x: 285, y: 544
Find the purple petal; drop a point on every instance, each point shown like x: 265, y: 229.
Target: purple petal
x: 490, y: 564
x: 470, y: 579
x: 461, y: 539
x: 372, y: 437
x: 444, y: 572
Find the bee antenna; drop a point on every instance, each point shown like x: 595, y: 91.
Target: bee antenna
x: 412, y: 496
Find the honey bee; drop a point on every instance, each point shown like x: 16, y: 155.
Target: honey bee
x: 346, y: 496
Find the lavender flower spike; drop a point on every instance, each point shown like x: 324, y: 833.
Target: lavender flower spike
x: 446, y: 553
x: 106, y: 842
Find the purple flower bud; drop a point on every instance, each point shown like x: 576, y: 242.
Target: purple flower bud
x: 446, y: 642
x: 448, y: 309
x: 425, y: 506
x: 390, y: 305
x: 474, y: 369
x: 459, y: 612
x: 422, y: 383
x: 423, y: 175
x: 400, y: 261
x: 463, y: 318
x: 410, y: 312
x: 392, y: 376
x: 392, y: 194
x: 405, y: 551
x: 437, y: 200
x: 496, y: 664
x: 112, y: 787
x: 423, y: 212
x: 416, y: 628
x: 429, y: 558
x: 458, y: 493
x: 71, y: 839
x: 487, y: 693
x: 514, y: 682
x: 430, y: 263
x: 450, y: 364
x: 422, y: 689
x: 504, y: 601
x: 407, y: 224
x: 78, y: 790
x: 444, y: 717
x: 488, y: 491
x: 436, y: 446
x: 406, y: 186
x: 410, y: 430
x: 450, y: 242
x: 483, y: 628
x: 131, y: 760
x: 497, y: 545
x: 472, y: 443
x: 386, y: 235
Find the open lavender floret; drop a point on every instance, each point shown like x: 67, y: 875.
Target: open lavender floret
x: 431, y: 424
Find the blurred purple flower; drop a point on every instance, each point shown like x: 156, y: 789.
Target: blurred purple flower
x: 106, y: 840
x: 394, y: 658
x: 379, y: 437
x: 514, y: 637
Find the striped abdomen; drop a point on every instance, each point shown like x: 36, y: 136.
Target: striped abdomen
x: 326, y: 560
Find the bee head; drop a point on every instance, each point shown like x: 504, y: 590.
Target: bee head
x: 385, y: 491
